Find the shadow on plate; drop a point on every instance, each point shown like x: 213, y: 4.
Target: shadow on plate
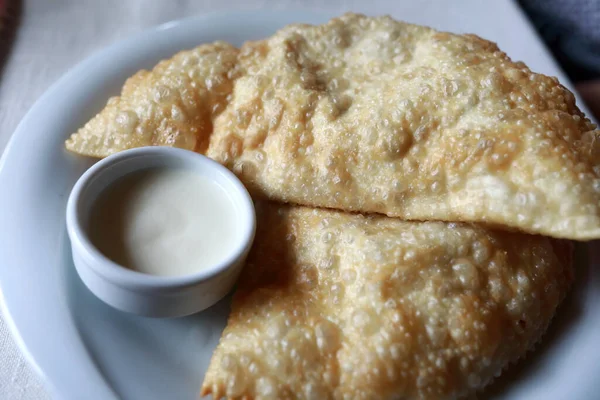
x: 566, y: 318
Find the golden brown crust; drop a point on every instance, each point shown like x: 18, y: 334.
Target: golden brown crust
x: 339, y: 306
x: 172, y: 105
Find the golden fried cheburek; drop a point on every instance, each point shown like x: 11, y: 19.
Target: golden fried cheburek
x: 172, y: 105
x: 374, y: 115
x: 333, y: 305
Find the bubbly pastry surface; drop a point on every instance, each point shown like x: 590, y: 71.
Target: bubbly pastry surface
x: 370, y: 114
x: 374, y: 115
x: 174, y: 104
x: 339, y: 306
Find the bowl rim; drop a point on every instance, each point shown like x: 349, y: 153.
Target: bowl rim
x: 139, y: 281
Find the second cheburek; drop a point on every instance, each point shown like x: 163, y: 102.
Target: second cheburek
x: 354, y: 307
x: 373, y: 115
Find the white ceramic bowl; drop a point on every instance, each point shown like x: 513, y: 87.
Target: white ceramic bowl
x: 144, y: 294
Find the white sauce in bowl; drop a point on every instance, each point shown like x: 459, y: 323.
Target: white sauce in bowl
x: 164, y: 221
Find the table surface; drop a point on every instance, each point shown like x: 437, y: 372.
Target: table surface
x: 53, y: 36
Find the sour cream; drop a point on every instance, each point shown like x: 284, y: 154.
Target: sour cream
x: 164, y: 221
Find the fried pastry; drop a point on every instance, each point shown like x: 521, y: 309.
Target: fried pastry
x: 373, y: 115
x: 333, y: 305
x: 172, y: 105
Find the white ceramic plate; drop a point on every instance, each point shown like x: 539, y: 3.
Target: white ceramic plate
x: 87, y: 350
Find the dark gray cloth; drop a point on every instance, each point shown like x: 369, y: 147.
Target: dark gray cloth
x: 571, y: 28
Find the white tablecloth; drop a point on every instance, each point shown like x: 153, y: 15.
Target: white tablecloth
x: 52, y: 36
